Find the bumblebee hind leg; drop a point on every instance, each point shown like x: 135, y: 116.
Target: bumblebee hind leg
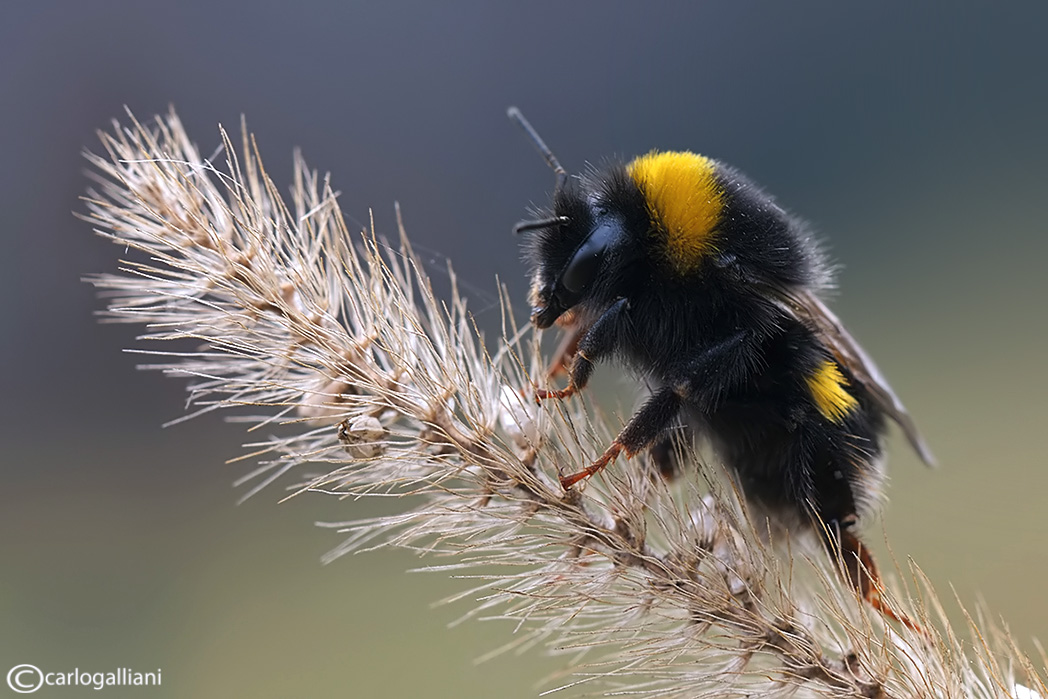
x: 861, y: 572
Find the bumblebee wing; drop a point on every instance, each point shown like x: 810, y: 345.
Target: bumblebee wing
x: 810, y: 310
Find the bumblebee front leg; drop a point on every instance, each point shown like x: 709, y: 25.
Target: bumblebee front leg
x: 568, y: 347
x: 597, y: 343
x: 640, y: 432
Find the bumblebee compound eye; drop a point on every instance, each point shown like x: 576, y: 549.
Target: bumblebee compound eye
x: 583, y: 266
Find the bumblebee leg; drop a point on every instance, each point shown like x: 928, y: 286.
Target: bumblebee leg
x: 862, y: 574
x: 568, y: 355
x: 595, y: 343
x: 567, y: 348
x: 640, y: 432
x: 665, y: 452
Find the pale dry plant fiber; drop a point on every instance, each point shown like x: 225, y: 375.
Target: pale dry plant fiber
x: 335, y: 342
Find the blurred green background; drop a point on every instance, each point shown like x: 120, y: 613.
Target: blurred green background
x: 913, y: 138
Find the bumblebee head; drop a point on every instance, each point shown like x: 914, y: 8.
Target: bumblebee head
x: 572, y: 254
x: 662, y: 208
x: 571, y: 250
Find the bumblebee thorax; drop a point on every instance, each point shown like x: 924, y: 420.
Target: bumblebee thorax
x: 684, y: 200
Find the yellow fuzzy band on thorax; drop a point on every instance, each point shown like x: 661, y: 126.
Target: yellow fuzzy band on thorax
x: 827, y: 389
x: 684, y: 202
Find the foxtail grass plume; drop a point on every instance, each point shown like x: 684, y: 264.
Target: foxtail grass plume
x: 333, y: 340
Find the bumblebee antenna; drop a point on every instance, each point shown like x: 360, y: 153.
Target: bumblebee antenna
x: 525, y: 226
x: 551, y: 160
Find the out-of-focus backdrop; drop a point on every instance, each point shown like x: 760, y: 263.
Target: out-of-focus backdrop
x: 913, y: 138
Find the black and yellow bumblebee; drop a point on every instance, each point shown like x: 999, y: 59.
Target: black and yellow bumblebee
x: 685, y: 271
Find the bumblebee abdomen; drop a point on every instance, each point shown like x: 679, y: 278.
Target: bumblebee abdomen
x: 826, y: 468
x: 799, y: 434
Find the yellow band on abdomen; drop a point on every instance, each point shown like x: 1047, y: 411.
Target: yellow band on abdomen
x: 827, y: 389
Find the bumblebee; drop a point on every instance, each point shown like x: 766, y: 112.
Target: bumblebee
x: 683, y: 270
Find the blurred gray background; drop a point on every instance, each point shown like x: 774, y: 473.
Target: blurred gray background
x: 913, y: 138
